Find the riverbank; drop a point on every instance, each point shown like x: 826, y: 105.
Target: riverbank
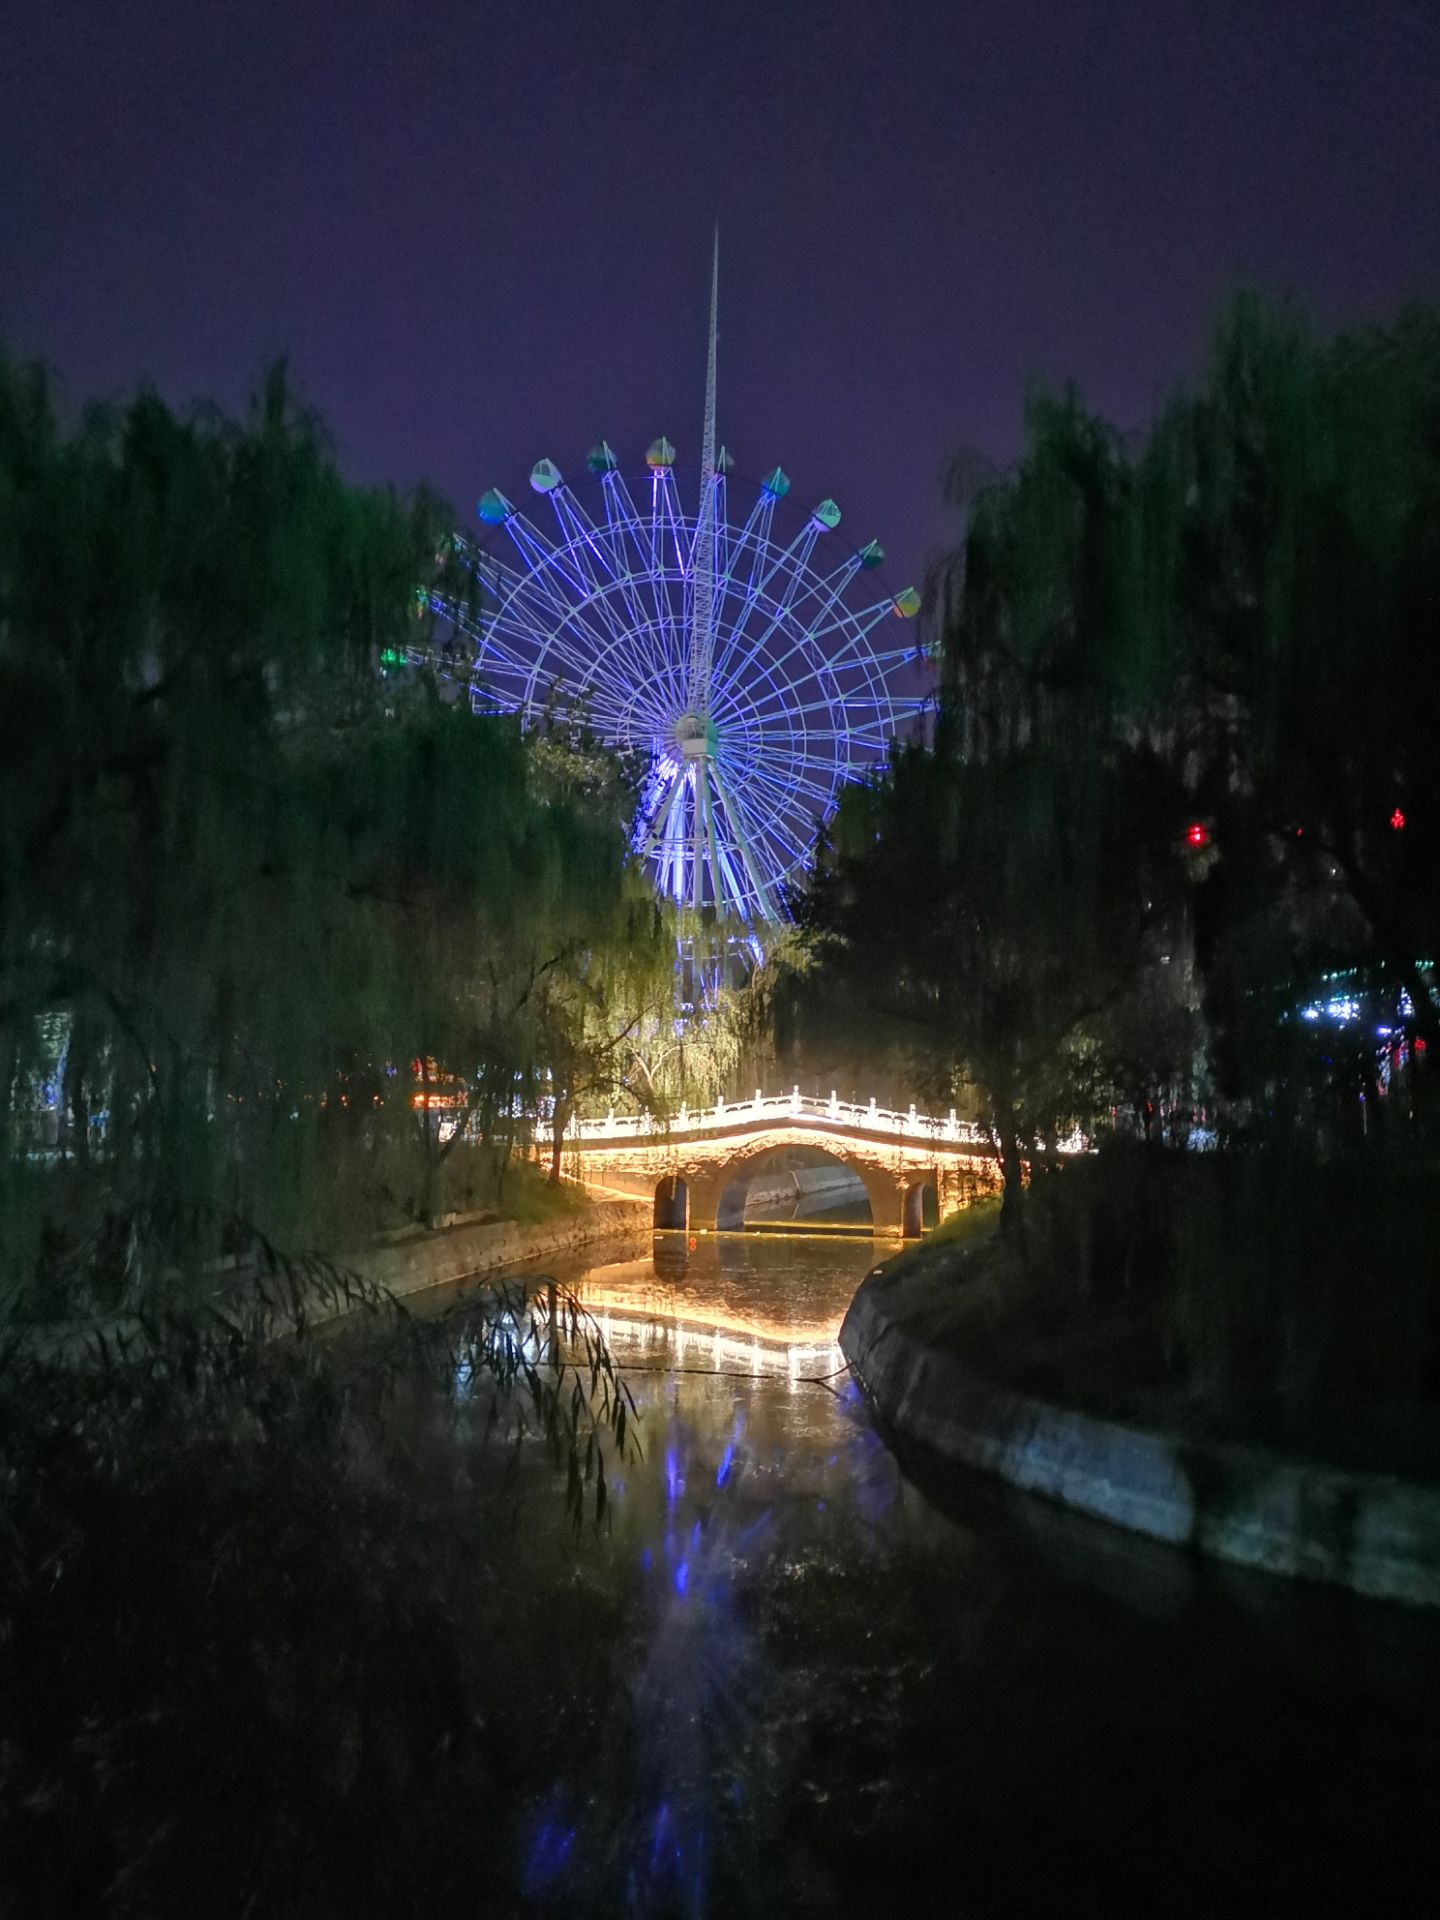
x: 910, y: 1337
x: 421, y: 1257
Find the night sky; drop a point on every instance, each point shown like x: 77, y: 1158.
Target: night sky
x: 481, y: 232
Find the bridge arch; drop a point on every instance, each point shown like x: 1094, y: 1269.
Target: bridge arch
x: 672, y: 1196
x: 789, y: 1175
x: 883, y: 1189
x: 921, y: 1207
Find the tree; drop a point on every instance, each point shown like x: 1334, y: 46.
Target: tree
x: 1289, y: 522
x: 1183, y: 751
x: 998, y: 901
x: 252, y: 869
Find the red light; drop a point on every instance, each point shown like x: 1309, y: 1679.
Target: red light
x: 1197, y: 834
x: 1420, y: 1045
x: 1397, y: 820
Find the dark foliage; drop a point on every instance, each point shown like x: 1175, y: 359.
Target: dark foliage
x: 260, y: 1645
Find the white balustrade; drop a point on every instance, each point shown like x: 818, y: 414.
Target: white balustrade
x: 843, y: 1116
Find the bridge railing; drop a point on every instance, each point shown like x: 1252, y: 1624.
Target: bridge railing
x: 727, y: 1114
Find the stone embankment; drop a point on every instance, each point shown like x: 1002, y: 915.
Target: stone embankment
x: 904, y: 1338
x: 410, y: 1262
x: 807, y: 1189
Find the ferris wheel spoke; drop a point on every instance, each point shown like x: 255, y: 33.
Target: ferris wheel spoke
x: 539, y: 555
x: 740, y: 598
x: 772, y: 861
x: 818, y: 603
x: 626, y: 630
x: 662, y: 520
x: 580, y: 541
x: 489, y: 643
x: 787, y: 562
x: 620, y: 520
x: 783, y: 774
x: 563, y: 661
x: 635, y: 617
x: 583, y: 611
x: 765, y: 556
x: 817, y: 596
x: 753, y: 538
x: 853, y: 631
x: 781, y: 616
x: 594, y: 624
x: 801, y: 711
x: 618, y: 652
x: 801, y: 642
x: 628, y: 530
x: 495, y: 575
x: 623, y: 565
x: 792, y: 790
x: 606, y: 690
x: 541, y: 608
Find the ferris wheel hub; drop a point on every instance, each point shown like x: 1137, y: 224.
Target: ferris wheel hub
x: 695, y: 736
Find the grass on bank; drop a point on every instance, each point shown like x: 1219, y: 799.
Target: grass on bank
x: 968, y: 1228
x: 1253, y: 1297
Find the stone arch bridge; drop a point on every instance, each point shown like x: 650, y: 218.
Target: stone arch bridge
x: 687, y: 1166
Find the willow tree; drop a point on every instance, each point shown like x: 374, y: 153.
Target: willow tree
x: 250, y: 877
x: 1183, y: 751
x: 1288, y: 515
x: 996, y: 910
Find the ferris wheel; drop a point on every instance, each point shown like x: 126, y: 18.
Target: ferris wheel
x: 751, y: 661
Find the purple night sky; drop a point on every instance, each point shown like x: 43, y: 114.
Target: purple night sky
x: 482, y: 232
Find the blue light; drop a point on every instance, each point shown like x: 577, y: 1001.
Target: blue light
x: 549, y: 1852
x: 682, y: 1577
x: 595, y: 610
x: 722, y: 1473
x: 657, y: 1841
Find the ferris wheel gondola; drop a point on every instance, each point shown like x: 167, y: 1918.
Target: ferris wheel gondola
x: 753, y: 663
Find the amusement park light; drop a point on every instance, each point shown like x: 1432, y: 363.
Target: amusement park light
x: 747, y: 663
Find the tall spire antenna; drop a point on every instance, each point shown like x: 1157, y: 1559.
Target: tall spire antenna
x: 702, y: 624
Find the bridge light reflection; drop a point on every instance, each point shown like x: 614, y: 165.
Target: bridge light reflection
x: 745, y: 1343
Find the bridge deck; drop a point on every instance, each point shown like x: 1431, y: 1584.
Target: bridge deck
x: 842, y: 1119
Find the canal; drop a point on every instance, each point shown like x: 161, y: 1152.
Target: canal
x: 830, y: 1684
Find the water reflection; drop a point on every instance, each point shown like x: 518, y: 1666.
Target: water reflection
x: 750, y: 1434
x: 828, y: 1692
x: 777, y: 1293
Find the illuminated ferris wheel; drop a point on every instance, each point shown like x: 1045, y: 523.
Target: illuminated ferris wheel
x: 749, y: 660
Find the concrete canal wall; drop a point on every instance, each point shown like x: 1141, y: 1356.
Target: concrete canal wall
x: 1372, y: 1533
x: 420, y: 1258
x: 805, y: 1187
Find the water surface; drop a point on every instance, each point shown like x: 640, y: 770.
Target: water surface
x: 839, y: 1689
